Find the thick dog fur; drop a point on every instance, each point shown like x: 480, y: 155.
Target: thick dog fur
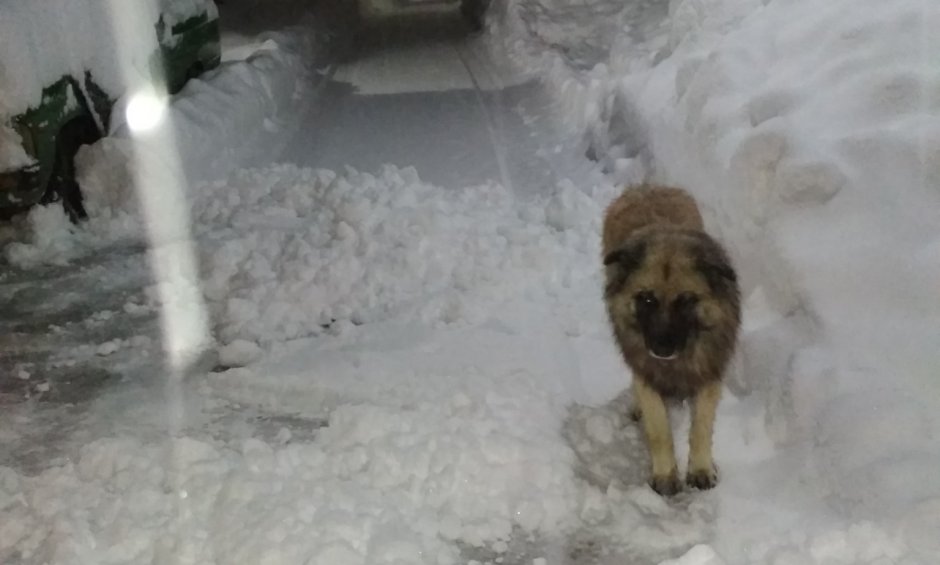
x: 674, y: 305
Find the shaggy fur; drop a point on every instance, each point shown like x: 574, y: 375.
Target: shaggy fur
x: 673, y: 301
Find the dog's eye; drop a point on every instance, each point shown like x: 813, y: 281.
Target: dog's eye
x: 645, y: 299
x: 685, y: 300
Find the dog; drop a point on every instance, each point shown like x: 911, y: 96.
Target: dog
x: 673, y: 303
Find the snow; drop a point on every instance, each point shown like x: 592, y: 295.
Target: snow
x: 239, y: 353
x: 212, y: 122
x: 807, y: 133
x: 239, y: 48
x: 698, y: 555
x: 332, y: 250
x: 442, y: 350
x: 53, y: 238
x: 178, y: 11
x: 43, y: 41
x: 40, y: 42
x: 379, y: 485
x: 12, y: 154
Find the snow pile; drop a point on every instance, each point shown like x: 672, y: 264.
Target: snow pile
x: 464, y: 460
x: 821, y: 166
x: 810, y: 135
x: 289, y: 252
x: 55, y: 238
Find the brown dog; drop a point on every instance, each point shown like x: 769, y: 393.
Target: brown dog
x: 674, y: 305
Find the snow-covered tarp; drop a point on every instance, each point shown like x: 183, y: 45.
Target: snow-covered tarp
x: 40, y: 42
x: 213, y: 121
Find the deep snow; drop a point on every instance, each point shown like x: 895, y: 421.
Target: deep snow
x: 432, y: 363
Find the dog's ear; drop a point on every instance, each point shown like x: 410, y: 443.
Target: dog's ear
x: 628, y: 258
x: 715, y: 266
x: 621, y: 263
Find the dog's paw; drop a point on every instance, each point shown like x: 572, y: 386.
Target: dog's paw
x: 702, y: 479
x: 666, y: 485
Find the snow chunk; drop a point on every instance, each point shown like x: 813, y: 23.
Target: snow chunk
x: 54, y: 238
x: 699, y: 555
x: 178, y: 11
x: 109, y: 347
x: 239, y: 353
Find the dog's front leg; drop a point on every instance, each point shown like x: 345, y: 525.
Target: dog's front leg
x: 655, y: 419
x: 702, y: 472
x: 633, y: 410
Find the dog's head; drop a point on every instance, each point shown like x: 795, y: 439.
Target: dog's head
x: 669, y: 286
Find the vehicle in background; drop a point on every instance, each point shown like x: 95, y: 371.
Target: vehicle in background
x: 75, y: 110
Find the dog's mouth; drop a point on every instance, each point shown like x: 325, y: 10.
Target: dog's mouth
x: 670, y: 357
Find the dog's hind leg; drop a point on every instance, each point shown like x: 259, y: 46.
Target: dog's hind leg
x: 702, y: 473
x: 655, y: 419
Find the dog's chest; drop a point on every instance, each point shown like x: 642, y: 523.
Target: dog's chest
x: 671, y: 379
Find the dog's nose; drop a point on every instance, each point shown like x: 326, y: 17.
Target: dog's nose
x: 664, y: 345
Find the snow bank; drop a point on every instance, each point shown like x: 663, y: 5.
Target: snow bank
x: 821, y: 167
x: 809, y: 134
x: 579, y: 47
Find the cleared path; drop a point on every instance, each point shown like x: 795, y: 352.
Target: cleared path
x: 424, y: 92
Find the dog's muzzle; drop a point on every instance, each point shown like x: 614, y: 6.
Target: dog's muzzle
x: 665, y: 346
x: 664, y: 357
